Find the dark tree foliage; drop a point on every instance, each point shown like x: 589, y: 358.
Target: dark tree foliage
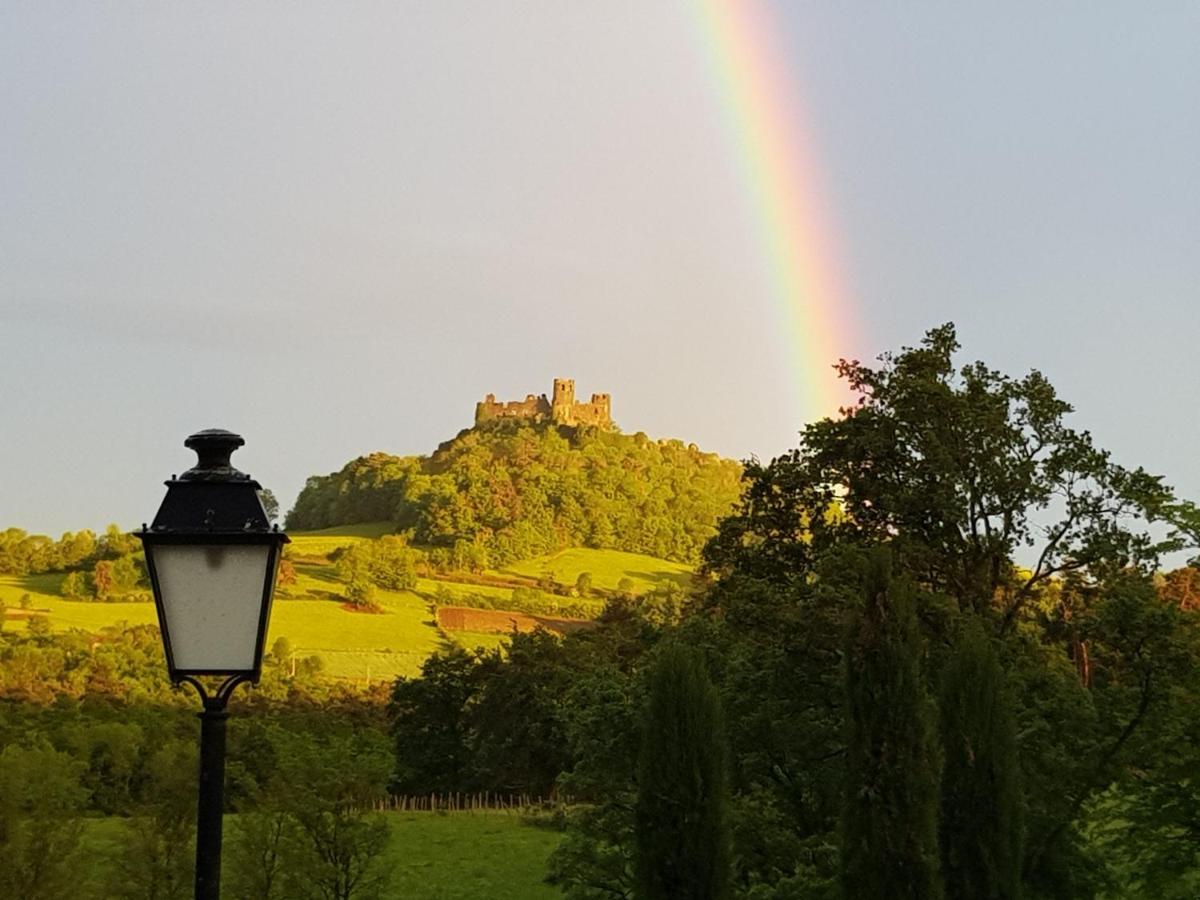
x: 981, y: 827
x: 430, y: 727
x: 681, y: 819
x: 890, y: 819
x: 1002, y: 514
x: 509, y: 490
x: 958, y: 470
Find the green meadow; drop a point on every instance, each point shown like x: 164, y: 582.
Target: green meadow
x: 432, y: 856
x: 607, y: 568
x: 363, y: 646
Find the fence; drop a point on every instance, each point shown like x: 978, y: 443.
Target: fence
x: 457, y: 801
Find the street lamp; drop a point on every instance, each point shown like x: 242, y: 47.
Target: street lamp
x: 212, y: 558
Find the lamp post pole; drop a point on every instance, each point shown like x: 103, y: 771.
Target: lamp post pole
x: 210, y: 807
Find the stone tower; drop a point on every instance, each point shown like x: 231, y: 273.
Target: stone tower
x: 562, y: 403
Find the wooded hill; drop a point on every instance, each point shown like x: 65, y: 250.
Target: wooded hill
x: 506, y: 491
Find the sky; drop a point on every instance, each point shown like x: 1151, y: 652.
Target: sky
x: 333, y: 228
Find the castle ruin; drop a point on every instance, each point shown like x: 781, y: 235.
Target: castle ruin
x: 561, y: 409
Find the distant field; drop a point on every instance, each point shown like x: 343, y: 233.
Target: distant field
x: 360, y: 645
x: 502, y: 621
x: 607, y: 568
x: 474, y: 640
x: 352, y: 644
x: 326, y: 540
x: 461, y: 856
x: 67, y: 614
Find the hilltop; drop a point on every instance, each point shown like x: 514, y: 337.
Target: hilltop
x: 514, y: 488
x: 515, y: 523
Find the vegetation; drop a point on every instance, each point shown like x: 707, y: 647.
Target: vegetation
x: 890, y: 823
x: 681, y: 827
x: 509, y: 491
x: 981, y: 830
x: 938, y: 631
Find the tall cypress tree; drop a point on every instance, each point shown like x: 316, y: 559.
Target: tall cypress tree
x: 981, y: 832
x: 681, y: 824
x: 890, y: 818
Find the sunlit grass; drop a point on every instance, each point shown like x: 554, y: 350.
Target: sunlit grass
x: 607, y: 568
x: 392, y: 642
x: 326, y: 540
x: 357, y: 645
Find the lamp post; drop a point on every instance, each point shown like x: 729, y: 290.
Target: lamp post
x: 212, y: 558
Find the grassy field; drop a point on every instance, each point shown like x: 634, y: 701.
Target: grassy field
x: 357, y: 645
x: 462, y: 856
x: 607, y: 568
x: 478, y: 640
x: 326, y: 540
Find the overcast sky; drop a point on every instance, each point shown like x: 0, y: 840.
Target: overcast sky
x: 333, y: 228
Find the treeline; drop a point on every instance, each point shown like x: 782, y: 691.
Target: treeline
x: 109, y: 567
x: 908, y: 711
x: 510, y: 490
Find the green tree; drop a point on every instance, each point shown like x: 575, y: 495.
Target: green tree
x: 40, y: 829
x: 270, y: 504
x: 583, y: 584
x: 360, y: 593
x: 959, y: 469
x: 332, y: 782
x: 430, y: 727
x: 981, y: 817
x: 38, y: 626
x: 517, y: 741
x: 75, y: 587
x: 681, y: 817
x: 890, y: 822
x: 155, y: 859
x: 281, y: 650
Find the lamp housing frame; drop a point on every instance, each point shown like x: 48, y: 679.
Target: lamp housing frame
x: 213, y: 505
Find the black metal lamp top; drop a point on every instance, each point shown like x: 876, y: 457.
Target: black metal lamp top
x: 214, y: 447
x: 212, y: 496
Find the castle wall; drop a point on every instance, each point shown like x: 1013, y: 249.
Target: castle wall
x: 563, y: 410
x: 533, y: 408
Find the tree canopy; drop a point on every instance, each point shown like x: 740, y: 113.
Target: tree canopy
x: 512, y: 490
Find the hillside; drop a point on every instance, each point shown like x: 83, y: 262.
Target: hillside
x: 511, y: 525
x: 402, y: 628
x: 507, y: 491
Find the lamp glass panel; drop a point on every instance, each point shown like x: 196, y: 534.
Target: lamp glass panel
x: 212, y: 597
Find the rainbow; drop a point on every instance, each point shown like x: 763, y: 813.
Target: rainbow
x: 765, y: 118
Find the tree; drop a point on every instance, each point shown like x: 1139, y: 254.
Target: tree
x: 40, y: 829
x: 583, y: 584
x: 156, y: 855
x: 681, y: 818
x: 429, y: 724
x: 890, y: 822
x: 1000, y: 512
x: 517, y: 738
x: 281, y: 650
x: 38, y: 626
x: 270, y: 504
x: 287, y: 573
x: 74, y: 587
x: 332, y: 782
x: 957, y: 469
x: 981, y: 817
x: 360, y: 594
